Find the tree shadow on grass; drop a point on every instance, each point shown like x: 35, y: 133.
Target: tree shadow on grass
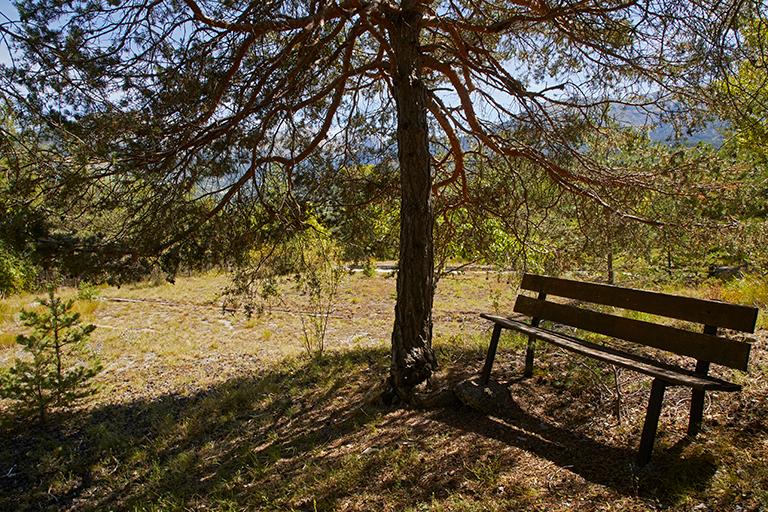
x: 666, y: 480
x: 217, y: 446
x: 297, y: 435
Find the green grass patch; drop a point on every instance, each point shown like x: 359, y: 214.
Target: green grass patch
x: 86, y: 308
x: 750, y: 289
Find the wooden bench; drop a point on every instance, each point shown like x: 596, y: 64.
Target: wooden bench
x: 705, y: 347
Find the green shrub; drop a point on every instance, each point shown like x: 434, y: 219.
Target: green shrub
x: 87, y: 291
x: 369, y: 267
x: 16, y: 272
x: 311, y: 260
x: 58, y: 369
x: 317, y: 278
x: 313, y: 257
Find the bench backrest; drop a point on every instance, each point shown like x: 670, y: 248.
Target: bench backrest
x: 706, y: 346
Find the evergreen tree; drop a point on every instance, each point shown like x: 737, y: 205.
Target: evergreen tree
x: 58, y: 369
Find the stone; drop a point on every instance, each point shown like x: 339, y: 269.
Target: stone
x: 492, y: 398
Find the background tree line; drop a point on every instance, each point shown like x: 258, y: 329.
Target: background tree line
x: 714, y: 218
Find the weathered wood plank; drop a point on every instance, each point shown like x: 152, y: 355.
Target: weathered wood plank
x: 697, y: 395
x: 672, y: 374
x: 486, y: 375
x: 724, y: 351
x: 651, y: 424
x: 720, y: 314
x: 531, y: 349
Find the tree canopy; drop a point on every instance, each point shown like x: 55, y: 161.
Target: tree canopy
x: 173, y: 113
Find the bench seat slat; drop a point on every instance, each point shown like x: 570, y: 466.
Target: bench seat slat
x: 705, y: 347
x: 669, y: 373
x: 720, y: 314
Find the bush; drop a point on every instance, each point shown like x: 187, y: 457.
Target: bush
x: 58, y: 369
x: 369, y: 268
x: 87, y: 291
x: 16, y: 273
x: 317, y: 278
x: 312, y: 258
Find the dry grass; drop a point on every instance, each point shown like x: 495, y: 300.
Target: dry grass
x: 203, y: 410
x: 751, y: 290
x: 7, y: 340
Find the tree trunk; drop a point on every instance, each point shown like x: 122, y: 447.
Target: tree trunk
x: 609, y: 244
x: 669, y: 262
x: 610, y: 275
x: 413, y: 359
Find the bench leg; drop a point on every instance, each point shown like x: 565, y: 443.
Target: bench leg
x: 697, y: 402
x: 697, y: 412
x: 529, y: 353
x: 486, y: 375
x: 651, y: 422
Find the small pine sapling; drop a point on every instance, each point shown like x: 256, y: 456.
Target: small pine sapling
x: 58, y: 368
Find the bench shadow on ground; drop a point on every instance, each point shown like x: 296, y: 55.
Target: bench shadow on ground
x: 296, y: 435
x: 665, y: 480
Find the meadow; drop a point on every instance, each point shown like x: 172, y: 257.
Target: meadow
x: 201, y: 408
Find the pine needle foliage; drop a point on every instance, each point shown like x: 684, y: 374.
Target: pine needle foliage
x: 57, y: 369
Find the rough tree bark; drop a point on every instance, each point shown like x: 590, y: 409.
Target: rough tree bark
x: 413, y: 359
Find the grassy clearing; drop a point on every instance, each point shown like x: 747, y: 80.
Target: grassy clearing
x: 200, y: 409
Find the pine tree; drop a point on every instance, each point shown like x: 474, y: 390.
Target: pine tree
x: 58, y: 370
x: 175, y: 114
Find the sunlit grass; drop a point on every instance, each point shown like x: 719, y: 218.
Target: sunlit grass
x: 11, y: 306
x: 6, y: 313
x: 203, y: 288
x: 86, y: 308
x: 750, y: 290
x: 10, y: 326
x: 7, y: 339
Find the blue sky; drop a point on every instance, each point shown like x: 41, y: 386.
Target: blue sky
x: 7, y: 10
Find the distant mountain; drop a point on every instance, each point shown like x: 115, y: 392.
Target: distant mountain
x: 372, y: 150
x: 664, y: 132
